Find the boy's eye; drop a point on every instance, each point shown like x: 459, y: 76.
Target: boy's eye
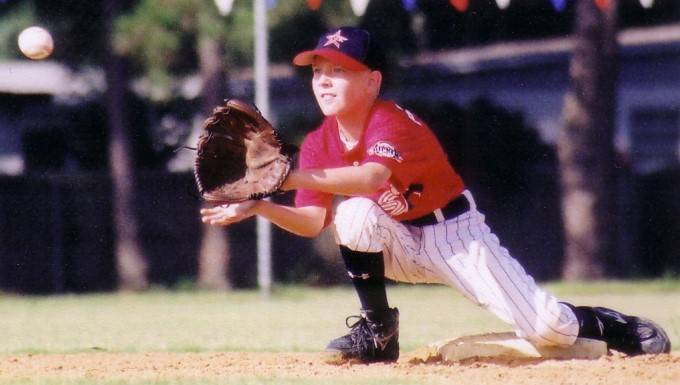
x: 338, y: 70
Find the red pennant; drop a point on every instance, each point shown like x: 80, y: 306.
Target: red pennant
x: 602, y: 4
x: 314, y: 5
x: 460, y: 5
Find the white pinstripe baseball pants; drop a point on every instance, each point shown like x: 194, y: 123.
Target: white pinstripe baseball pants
x: 463, y: 253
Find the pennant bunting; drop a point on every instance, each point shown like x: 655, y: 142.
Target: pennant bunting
x: 224, y: 6
x: 358, y: 6
x: 559, y: 5
x: 602, y: 4
x: 503, y: 4
x: 409, y: 5
x: 314, y: 5
x: 647, y: 3
x: 460, y: 5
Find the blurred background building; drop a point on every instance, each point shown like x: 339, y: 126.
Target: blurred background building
x: 489, y: 76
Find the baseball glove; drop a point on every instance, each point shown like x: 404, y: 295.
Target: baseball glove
x: 239, y: 156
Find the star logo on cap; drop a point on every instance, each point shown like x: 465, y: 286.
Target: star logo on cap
x: 335, y: 39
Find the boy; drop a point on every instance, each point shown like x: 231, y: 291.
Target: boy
x: 409, y: 218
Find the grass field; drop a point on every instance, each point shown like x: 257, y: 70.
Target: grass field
x: 294, y: 319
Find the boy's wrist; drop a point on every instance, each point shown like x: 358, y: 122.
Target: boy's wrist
x: 256, y: 208
x: 289, y: 183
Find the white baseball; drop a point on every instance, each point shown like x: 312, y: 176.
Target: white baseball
x: 36, y: 43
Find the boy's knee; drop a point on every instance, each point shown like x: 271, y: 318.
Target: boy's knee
x: 355, y: 223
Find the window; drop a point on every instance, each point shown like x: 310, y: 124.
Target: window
x: 655, y: 134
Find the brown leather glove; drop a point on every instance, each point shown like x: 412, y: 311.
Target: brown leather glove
x: 239, y: 156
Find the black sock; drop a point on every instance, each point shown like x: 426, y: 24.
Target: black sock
x: 589, y: 325
x: 367, y: 271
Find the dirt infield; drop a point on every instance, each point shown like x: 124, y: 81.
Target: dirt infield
x: 104, y: 366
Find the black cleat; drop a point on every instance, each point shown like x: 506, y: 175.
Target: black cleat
x: 370, y: 339
x: 631, y: 335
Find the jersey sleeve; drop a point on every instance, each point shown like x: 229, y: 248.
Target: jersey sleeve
x: 394, y: 143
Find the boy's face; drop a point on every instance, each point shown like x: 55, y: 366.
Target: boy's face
x: 339, y: 91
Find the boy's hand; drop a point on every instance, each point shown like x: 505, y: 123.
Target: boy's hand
x: 224, y: 215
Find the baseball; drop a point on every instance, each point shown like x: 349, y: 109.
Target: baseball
x: 36, y: 43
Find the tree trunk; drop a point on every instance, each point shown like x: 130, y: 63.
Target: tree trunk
x: 585, y: 144
x: 213, y: 265
x: 130, y: 262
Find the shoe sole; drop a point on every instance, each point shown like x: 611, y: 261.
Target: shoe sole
x: 337, y: 357
x: 334, y: 357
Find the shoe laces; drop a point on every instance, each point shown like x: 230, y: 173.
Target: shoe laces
x: 360, y: 332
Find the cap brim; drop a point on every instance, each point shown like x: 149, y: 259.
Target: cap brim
x: 307, y: 58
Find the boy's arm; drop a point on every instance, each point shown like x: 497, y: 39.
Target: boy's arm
x: 304, y: 221
x: 349, y: 181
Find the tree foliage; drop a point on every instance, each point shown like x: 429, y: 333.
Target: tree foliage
x: 160, y: 36
x: 13, y: 18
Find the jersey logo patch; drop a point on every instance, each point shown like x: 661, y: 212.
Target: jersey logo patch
x: 393, y: 202
x: 385, y: 150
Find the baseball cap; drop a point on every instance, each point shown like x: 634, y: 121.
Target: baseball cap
x: 349, y: 47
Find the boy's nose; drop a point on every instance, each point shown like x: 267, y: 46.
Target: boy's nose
x: 324, y: 80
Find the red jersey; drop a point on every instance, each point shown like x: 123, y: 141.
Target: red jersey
x: 422, y: 178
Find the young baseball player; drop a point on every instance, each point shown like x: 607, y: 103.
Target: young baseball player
x: 408, y: 217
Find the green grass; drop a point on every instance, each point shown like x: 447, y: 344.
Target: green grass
x: 295, y: 318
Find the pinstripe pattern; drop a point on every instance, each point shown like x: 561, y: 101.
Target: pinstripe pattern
x: 463, y: 253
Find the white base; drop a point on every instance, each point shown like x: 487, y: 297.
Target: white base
x: 508, y: 345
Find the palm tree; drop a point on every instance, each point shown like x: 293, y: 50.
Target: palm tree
x: 213, y: 260
x: 188, y: 36
x: 130, y: 262
x: 585, y: 144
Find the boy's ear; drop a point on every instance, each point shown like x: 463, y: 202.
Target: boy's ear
x: 375, y: 79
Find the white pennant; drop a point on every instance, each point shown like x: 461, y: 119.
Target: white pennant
x: 224, y: 6
x: 503, y: 4
x: 647, y: 3
x: 359, y: 6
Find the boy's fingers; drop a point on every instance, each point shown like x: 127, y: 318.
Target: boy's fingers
x: 221, y: 215
x: 208, y: 211
x: 212, y: 210
x: 212, y: 215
